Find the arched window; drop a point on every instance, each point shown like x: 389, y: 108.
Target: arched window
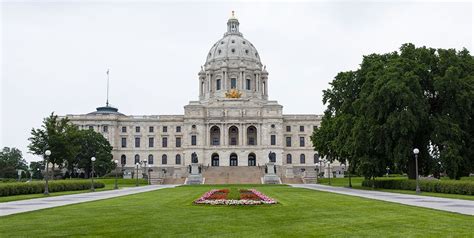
x: 233, y: 159
x: 288, y: 159
x: 302, y: 159
x: 218, y: 84
x: 316, y: 158
x: 123, y: 160
x: 137, y: 159
x: 215, y: 159
x: 252, y: 160
x: 215, y: 135
x: 164, y: 159
x: 247, y: 84
x: 150, y: 159
x: 233, y: 135
x: 251, y: 135
x: 178, y: 159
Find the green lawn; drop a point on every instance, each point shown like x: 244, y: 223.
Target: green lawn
x: 357, y: 184
x: 109, y: 184
x: 300, y: 212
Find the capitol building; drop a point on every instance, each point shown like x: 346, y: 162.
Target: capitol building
x: 232, y: 128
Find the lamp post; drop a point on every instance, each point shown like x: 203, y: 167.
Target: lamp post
x: 144, y: 170
x: 388, y: 170
x: 47, y: 153
x: 416, y: 151
x: 92, y: 174
x: 116, y: 171
x: 329, y: 172
x: 137, y: 164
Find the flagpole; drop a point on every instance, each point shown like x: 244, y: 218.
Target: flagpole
x: 107, y: 102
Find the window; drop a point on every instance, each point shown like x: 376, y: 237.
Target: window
x: 315, y: 128
x: 178, y: 129
x: 137, y: 142
x: 178, y: 142
x: 164, y: 159
x: 150, y: 159
x: 124, y: 142
x: 233, y: 83
x: 273, y: 140
x: 301, y: 141
x: 301, y: 128
x: 233, y: 50
x: 165, y: 129
x: 151, y: 129
x: 137, y: 159
x: 302, y: 159
x: 164, y: 142
x: 218, y: 84
x: 288, y: 128
x: 247, y: 84
x: 105, y: 129
x: 123, y: 160
x: 91, y: 127
x: 316, y: 158
x: 151, y: 142
x: 178, y: 159
x: 288, y: 141
x: 193, y: 140
x: 288, y: 159
x: 137, y: 129
x: 124, y: 129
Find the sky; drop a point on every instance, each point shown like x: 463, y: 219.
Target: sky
x: 54, y: 55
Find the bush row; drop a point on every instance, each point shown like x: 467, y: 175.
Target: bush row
x: 436, y: 186
x: 9, y: 189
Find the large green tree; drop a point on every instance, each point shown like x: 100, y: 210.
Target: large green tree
x: 11, y: 160
x: 93, y: 144
x: 418, y: 97
x: 57, y: 135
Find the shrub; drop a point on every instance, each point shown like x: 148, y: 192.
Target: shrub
x: 436, y: 186
x: 9, y: 189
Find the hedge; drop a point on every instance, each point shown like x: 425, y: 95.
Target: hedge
x: 9, y: 189
x: 436, y: 186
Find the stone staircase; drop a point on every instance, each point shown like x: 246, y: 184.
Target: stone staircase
x: 292, y: 180
x: 233, y: 175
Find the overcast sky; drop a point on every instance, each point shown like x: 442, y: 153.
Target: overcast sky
x: 55, y: 55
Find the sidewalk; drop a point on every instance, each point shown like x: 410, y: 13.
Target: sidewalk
x: 8, y: 208
x: 444, y: 204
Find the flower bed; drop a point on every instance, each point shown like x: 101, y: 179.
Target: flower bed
x: 247, y: 197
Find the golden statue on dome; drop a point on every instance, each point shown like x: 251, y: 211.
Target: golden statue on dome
x: 233, y: 93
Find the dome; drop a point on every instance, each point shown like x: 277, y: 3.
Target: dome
x: 233, y: 46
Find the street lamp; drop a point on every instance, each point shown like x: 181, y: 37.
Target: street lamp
x: 329, y: 172
x: 116, y: 171
x: 416, y: 151
x: 137, y: 164
x: 47, y: 153
x: 144, y: 170
x: 388, y: 170
x: 92, y: 175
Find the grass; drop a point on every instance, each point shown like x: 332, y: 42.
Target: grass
x: 109, y: 185
x: 300, y: 213
x: 357, y: 184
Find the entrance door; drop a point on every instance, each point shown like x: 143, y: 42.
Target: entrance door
x: 215, y: 160
x: 233, y: 160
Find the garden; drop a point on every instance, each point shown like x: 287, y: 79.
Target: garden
x: 236, y: 197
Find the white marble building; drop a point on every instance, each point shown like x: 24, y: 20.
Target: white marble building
x: 232, y: 124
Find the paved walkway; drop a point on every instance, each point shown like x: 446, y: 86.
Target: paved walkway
x: 8, y: 208
x: 444, y: 204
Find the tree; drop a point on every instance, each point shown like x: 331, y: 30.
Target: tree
x: 57, y: 135
x: 418, y: 97
x: 36, y: 168
x: 11, y: 160
x: 93, y: 144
